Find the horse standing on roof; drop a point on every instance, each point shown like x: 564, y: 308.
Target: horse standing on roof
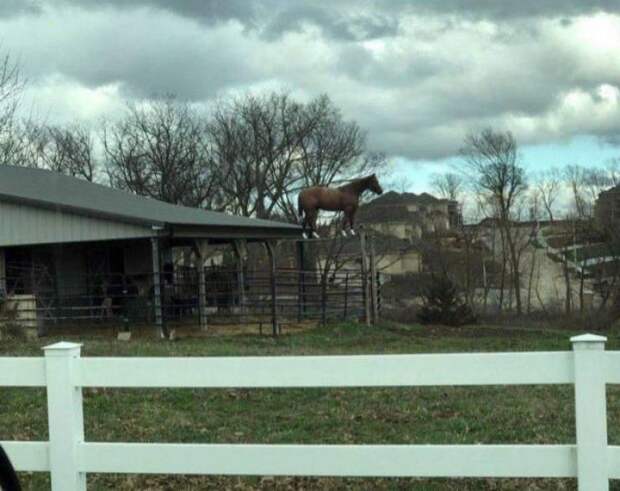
x: 344, y: 198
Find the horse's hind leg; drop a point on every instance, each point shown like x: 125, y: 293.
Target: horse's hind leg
x: 345, y: 221
x: 311, y: 216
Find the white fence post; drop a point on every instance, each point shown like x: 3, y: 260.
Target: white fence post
x: 591, y: 412
x: 65, y: 416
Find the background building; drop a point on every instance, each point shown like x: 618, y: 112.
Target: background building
x: 410, y: 216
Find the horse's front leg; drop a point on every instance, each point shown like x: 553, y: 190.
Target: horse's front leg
x: 350, y: 215
x: 304, y: 224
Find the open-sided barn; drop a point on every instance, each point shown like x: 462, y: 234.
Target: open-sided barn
x: 69, y: 246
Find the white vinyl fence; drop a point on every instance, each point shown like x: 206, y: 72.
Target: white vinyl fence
x: 68, y: 457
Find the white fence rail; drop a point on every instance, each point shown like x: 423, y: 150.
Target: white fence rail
x: 68, y: 457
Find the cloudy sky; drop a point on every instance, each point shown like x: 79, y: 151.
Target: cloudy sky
x: 416, y: 75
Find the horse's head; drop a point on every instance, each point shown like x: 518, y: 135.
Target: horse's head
x: 373, y: 185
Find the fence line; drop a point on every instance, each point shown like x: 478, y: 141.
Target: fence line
x: 133, y: 299
x: 68, y: 457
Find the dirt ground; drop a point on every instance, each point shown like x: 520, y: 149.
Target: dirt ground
x: 184, y: 330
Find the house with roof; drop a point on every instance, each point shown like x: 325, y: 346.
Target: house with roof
x: 397, y: 222
x: 409, y: 215
x: 69, y: 248
x: 607, y: 209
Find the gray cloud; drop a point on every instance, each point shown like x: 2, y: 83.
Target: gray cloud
x: 501, y: 11
x: 270, y: 18
x: 134, y: 49
x: 10, y: 8
x: 334, y: 24
x: 417, y: 76
x: 207, y: 11
x: 282, y: 16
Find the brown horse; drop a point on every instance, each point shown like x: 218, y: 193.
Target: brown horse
x: 344, y: 198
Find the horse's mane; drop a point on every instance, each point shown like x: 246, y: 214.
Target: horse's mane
x: 355, y: 182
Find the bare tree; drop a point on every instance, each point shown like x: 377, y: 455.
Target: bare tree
x: 472, y: 257
x: 547, y: 185
x: 270, y: 146
x: 595, y: 181
x: 451, y: 186
x: 257, y: 145
x: 448, y: 186
x: 68, y: 150
x: 535, y: 200
x: 11, y: 87
x: 161, y: 149
x: 335, y: 149
x: 73, y: 151
x: 399, y: 183
x: 585, y: 184
x: 612, y: 166
x: 492, y: 161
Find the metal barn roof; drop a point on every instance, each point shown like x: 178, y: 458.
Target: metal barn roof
x: 54, y: 191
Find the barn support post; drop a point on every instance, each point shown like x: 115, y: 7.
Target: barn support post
x: 324, y: 299
x: 200, y: 249
x: 301, y: 282
x: 591, y: 412
x: 346, y: 297
x: 364, y: 273
x: 202, y: 296
x: 271, y: 251
x: 157, y: 300
x: 240, y: 246
x: 373, y: 281
x: 378, y: 294
x: 2, y: 272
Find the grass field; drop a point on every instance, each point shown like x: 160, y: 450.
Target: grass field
x: 463, y: 415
